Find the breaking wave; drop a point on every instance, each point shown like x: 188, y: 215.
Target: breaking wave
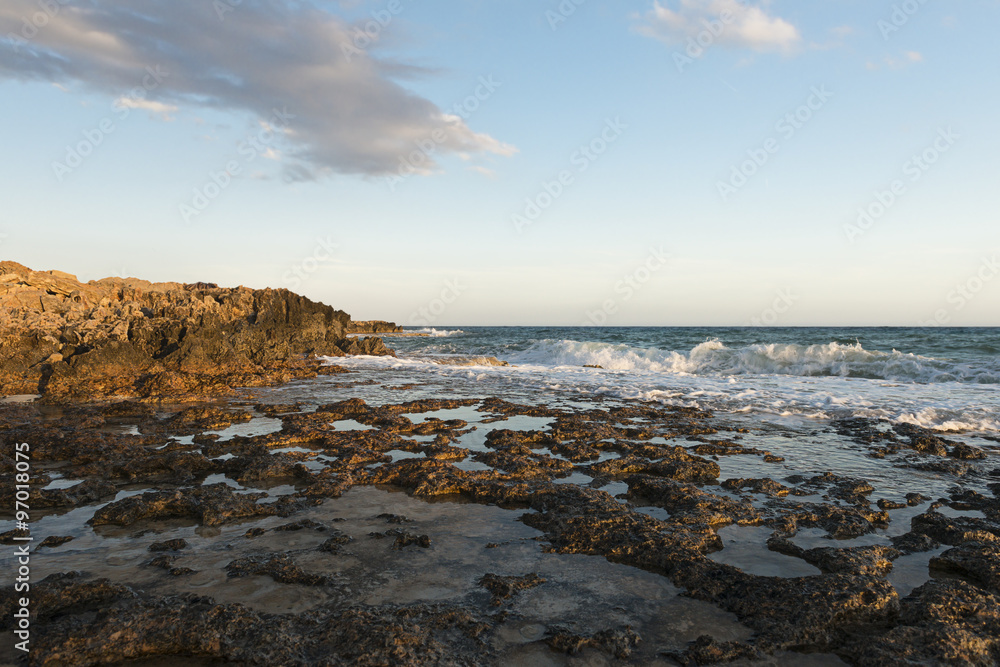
x: 437, y: 333
x: 714, y: 358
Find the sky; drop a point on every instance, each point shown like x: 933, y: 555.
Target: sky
x: 524, y: 162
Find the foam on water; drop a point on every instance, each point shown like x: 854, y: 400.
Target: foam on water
x: 714, y: 358
x: 437, y: 333
x: 946, y: 387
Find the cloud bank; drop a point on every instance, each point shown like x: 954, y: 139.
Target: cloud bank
x: 350, y: 113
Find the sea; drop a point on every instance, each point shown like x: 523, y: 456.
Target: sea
x: 947, y: 379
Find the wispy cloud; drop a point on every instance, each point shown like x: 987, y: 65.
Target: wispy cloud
x: 351, y: 114
x: 837, y: 40
x: 485, y: 171
x: 906, y: 59
x: 740, y: 25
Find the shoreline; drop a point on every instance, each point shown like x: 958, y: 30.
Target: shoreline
x: 209, y: 485
x: 669, y: 528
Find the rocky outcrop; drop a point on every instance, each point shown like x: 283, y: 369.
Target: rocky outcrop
x: 124, y: 337
x: 373, y: 327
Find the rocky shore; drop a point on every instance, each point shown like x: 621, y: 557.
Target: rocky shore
x: 167, y: 533
x: 373, y: 327
x: 304, y: 525
x: 127, y: 338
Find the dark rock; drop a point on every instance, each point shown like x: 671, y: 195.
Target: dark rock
x: 764, y: 486
x: 302, y: 524
x: 618, y: 643
x: 84, y: 493
x: 166, y: 562
x: 690, y: 505
x: 61, y: 594
x: 9, y: 537
x: 503, y: 588
x: 912, y: 543
x: 955, y: 531
x: 372, y: 347
x: 373, y: 327
x: 404, y: 538
x: 707, y: 651
x: 279, y: 567
x: 942, y: 622
x: 169, y: 545
x: 209, y: 505
x: 117, y: 626
x: 976, y: 561
x: 335, y: 544
x: 52, y: 541
x: 884, y: 504
x: 966, y: 452
x: 871, y: 560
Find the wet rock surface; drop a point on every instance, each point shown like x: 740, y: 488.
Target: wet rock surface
x: 503, y: 588
x: 284, y: 532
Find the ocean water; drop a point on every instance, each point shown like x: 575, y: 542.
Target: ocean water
x: 940, y: 378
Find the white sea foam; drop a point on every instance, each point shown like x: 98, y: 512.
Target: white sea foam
x: 437, y: 333
x: 817, y: 382
x: 714, y: 358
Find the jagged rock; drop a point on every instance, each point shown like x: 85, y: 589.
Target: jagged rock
x: 63, y: 593
x: 169, y: 545
x: 302, y: 524
x: 277, y: 566
x: 503, y: 588
x: 764, y: 486
x: 210, y: 505
x: 955, y: 531
x: 372, y: 347
x: 122, y: 626
x: 943, y: 622
x: 404, y: 538
x: 335, y: 544
x: 618, y: 643
x: 87, y: 491
x: 54, y: 541
x: 870, y: 560
x: 124, y: 338
x: 911, y: 543
x: 707, y: 651
x: 373, y: 327
x: 977, y: 561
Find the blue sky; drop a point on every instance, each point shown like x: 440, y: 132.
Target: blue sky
x: 414, y: 175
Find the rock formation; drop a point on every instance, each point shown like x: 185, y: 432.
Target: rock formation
x: 127, y: 338
x: 373, y: 327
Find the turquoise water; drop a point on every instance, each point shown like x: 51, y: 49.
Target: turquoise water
x: 947, y: 378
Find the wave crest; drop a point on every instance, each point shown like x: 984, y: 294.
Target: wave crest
x: 437, y: 333
x: 714, y: 358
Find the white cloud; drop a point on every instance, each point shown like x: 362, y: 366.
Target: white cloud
x: 351, y: 114
x: 164, y: 111
x: 739, y: 25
